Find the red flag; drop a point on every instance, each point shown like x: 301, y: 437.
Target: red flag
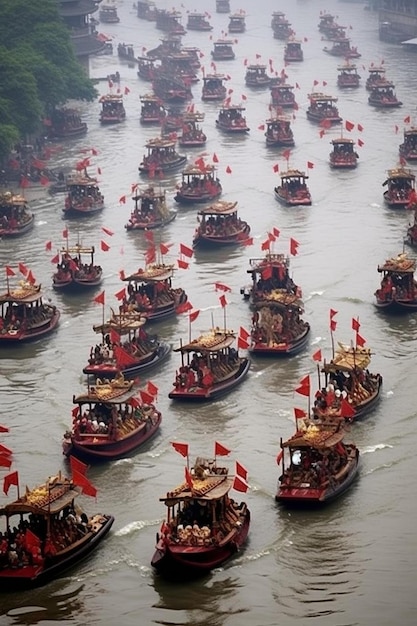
x: 215, y: 158
x: 3, y: 429
x: 304, y: 388
x: 299, y: 414
x: 150, y: 255
x: 267, y: 272
x: 315, y: 82
x: 286, y: 154
x: 127, y: 90
x: 55, y: 259
x: 122, y: 275
x: 24, y: 182
x: 5, y: 461
x: 188, y: 478
x: 146, y: 397
x: 31, y: 540
x: 164, y: 248
x: 149, y: 236
x: 297, y: 86
x: 152, y: 389
x: 82, y: 481
x: 9, y: 271
x: 5, y: 450
x: 310, y: 165
x: 293, y: 247
x: 360, y: 143
x: 317, y: 355
x: 30, y: 278
x: 324, y: 83
x: 243, y: 333
x: 114, y: 336
x: 239, y: 484
x: 265, y: 245
x: 65, y: 233
x: 122, y: 200
x: 223, y: 301
x: 123, y: 358
x: 220, y: 450
x: 261, y: 127
x: 355, y: 324
x: 221, y: 287
x: 279, y: 457
x: 242, y: 344
x: 44, y: 180
x: 321, y: 134
x: 107, y: 231
x: 23, y: 269
x: 360, y: 341
x: 182, y: 264
x: 346, y: 409
x: 333, y: 325
x: 193, y: 316
x: 78, y: 465
x: 99, y: 171
x: 360, y: 128
x: 228, y: 170
x: 182, y: 448
x: 184, y: 307
x: 186, y: 251
x: 104, y: 246
x: 241, y: 471
x: 10, y: 479
x: 48, y: 245
x: 332, y: 313
x: 120, y: 295
x: 75, y: 411
x: 349, y: 126
x: 407, y: 119
x: 275, y: 167
x: 100, y: 299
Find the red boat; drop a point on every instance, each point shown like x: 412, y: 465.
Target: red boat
x: 204, y: 527
x: 65, y: 123
x: 223, y: 50
x: 24, y: 316
x: 210, y: 367
x: 15, y: 217
x: 343, y: 155
x: 73, y: 274
x: 256, y: 76
x: 277, y: 327
x: 198, y: 185
x: 146, y: 68
x: 231, y: 119
x: 408, y: 149
x: 162, y: 157
x: 281, y: 26
x: 111, y: 422
x: 150, y: 211
x: 348, y: 76
x: 322, y: 109
x: 84, y: 197
x: 282, y: 95
x: 150, y: 292
x: 341, y: 48
x: 152, y: 110
x: 376, y: 77
x: 113, y: 110
x: 326, y: 20
x: 400, y: 184
x: 219, y: 225
x: 383, y: 96
x: 237, y: 23
x: 169, y: 21
x: 271, y: 281
x: 278, y: 132
x: 192, y: 136
x: 169, y: 43
x: 293, y: 51
x: 293, y: 190
x: 198, y: 21
x: 213, y: 88
x: 398, y: 290
x: 181, y: 66
x: 170, y: 88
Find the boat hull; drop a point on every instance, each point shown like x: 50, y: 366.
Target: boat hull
x: 23, y: 336
x: 164, y: 168
x: 292, y: 200
x: 111, y: 370
x: 184, y: 198
x: 151, y: 225
x: 206, y: 241
x: 397, y: 306
x: 233, y: 130
x: 11, y: 232
x: 77, y: 285
x: 207, y: 394
x: 284, y: 349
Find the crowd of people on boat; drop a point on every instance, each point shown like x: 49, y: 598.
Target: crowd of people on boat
x: 221, y: 226
x: 197, y: 185
x: 83, y: 195
x: 314, y: 468
x: 72, y: 267
x: 397, y: 287
x: 16, y: 317
x: 354, y: 387
x: 231, y: 117
x: 12, y: 216
x: 114, y: 421
x: 204, y: 370
x: 274, y: 327
x: 138, y: 346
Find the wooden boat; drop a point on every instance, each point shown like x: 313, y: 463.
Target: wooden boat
x: 193, y: 54
x: 278, y: 329
x: 222, y: 6
x: 383, y: 96
x: 15, y: 216
x: 326, y: 20
x: 24, y: 316
x: 151, y: 210
x: 146, y: 10
x: 73, y: 274
x: 150, y: 292
x: 112, y: 108
x: 192, y: 135
x: 111, y: 422
x: 282, y: 95
x: 162, y: 157
x: 170, y: 88
x: 173, y: 122
x: 343, y: 155
x: 271, y: 281
x: 146, y: 68
x: 223, y: 50
x: 278, y: 132
x: 181, y: 66
x: 408, y: 149
x: 376, y: 76
x: 65, y: 123
x: 108, y: 14
x: 293, y: 51
x: 84, y: 197
x: 213, y: 88
x: 199, y: 185
x: 231, y: 119
x: 400, y: 184
x: 152, y: 110
x: 170, y: 43
x: 170, y: 21
x: 348, y: 76
x: 210, y: 367
x: 237, y: 23
x: 347, y: 379
x: 293, y: 190
x: 256, y: 76
x: 398, y: 290
x: 126, y: 52
x: 219, y: 225
x: 322, y: 109
x: 44, y: 537
x: 198, y: 21
x: 281, y: 26
x: 125, y: 348
x: 411, y: 237
x: 204, y: 526
x: 335, y: 32
x: 320, y: 468
x: 341, y: 48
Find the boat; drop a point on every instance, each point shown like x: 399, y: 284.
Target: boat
x: 320, y: 466
x: 110, y: 422
x: 348, y: 76
x: 146, y: 10
x: 222, y: 6
x: 151, y: 210
x: 192, y: 135
x: 293, y: 51
x: 282, y: 95
x: 65, y: 123
x: 125, y: 348
x: 152, y: 110
x: 199, y: 185
x: 108, y: 14
x: 73, y: 273
x: 150, y: 292
x: 383, y: 96
x: 278, y: 329
x: 398, y: 290
x: 408, y: 149
x: 210, y: 367
x: 126, y: 52
x: 83, y: 196
x: 24, y: 316
x: 411, y: 237
x: 223, y: 50
x: 278, y: 132
x: 204, y: 526
x: 173, y: 122
x: 219, y: 225
x: 112, y: 108
x: 343, y: 154
x: 341, y: 48
x: 161, y: 157
x: 146, y: 68
x: 335, y: 32
x: 376, y: 76
x: 326, y: 20
x: 170, y: 43
x: 231, y: 120
x: 322, y: 109
x: 271, y: 281
x: 171, y: 89
x: 180, y: 65
x: 293, y: 190
x: 198, y: 21
x: 15, y: 216
x: 281, y: 26
x: 46, y: 533
x: 400, y: 184
x: 237, y: 23
x: 256, y: 76
x: 170, y: 21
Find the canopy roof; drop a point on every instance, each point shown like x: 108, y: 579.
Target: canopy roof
x: 343, y: 140
x: 195, y: 170
x: 108, y: 391
x: 25, y: 293
x: 258, y: 265
x: 210, y: 488
x: 152, y: 273
x: 213, y: 341
x: 122, y: 324
x: 159, y: 142
x: 321, y: 97
x: 400, y: 265
x: 111, y: 97
x: 348, y: 358
x: 47, y: 499
x: 224, y: 42
x: 399, y: 172
x: 293, y: 174
x: 8, y: 197
x: 221, y: 207
x: 77, y: 249
x: 315, y: 436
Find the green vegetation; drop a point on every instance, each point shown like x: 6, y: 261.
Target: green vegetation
x: 38, y: 69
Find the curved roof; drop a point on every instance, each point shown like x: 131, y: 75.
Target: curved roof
x: 315, y: 436
x: 47, y: 499
x: 293, y: 174
x: 213, y: 341
x: 25, y: 294
x: 152, y: 273
x: 221, y: 207
x: 400, y: 265
x: 348, y: 358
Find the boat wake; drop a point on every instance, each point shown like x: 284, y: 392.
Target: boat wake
x: 133, y: 527
x: 379, y: 446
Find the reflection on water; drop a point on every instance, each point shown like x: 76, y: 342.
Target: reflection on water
x: 48, y: 604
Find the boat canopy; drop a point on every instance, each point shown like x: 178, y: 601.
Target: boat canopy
x: 214, y: 341
x: 348, y: 358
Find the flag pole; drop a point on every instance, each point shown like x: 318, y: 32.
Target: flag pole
x: 189, y: 328
x: 318, y: 375
x: 332, y: 338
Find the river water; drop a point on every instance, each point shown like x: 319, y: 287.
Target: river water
x: 352, y: 563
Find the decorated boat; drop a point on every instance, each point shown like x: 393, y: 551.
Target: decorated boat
x: 199, y: 184
x: 326, y: 20
x: 293, y: 190
x: 150, y: 211
x: 341, y: 48
x: 317, y: 465
x: 282, y: 95
x: 237, y: 22
x: 408, y: 149
x: 343, y: 154
x: 383, y: 96
x: 256, y: 76
x: 180, y: 65
x: 279, y: 132
x: 46, y: 533
x: 398, y: 290
x: 347, y: 76
x: 152, y: 110
x: 108, y: 14
x: 376, y: 76
x: 213, y: 88
x: 293, y: 51
x: 219, y: 225
x: 65, y: 123
x: 222, y: 6
x: 223, y: 50
x: 198, y: 21
x: 277, y: 326
x: 192, y: 136
x: 24, y: 315
x: 173, y: 122
x: 112, y: 108
x: 161, y: 157
x: 271, y: 282
x: 231, y: 119
x: 204, y: 526
x: 110, y: 421
x: 281, y: 26
x: 400, y: 184
x: 73, y: 273
x: 170, y: 88
x: 150, y: 292
x: 323, y: 109
x: 146, y: 10
x: 15, y: 216
x: 335, y: 32
x: 146, y: 68
x: 210, y: 367
x: 170, y: 21
x: 84, y: 197
x: 171, y: 42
